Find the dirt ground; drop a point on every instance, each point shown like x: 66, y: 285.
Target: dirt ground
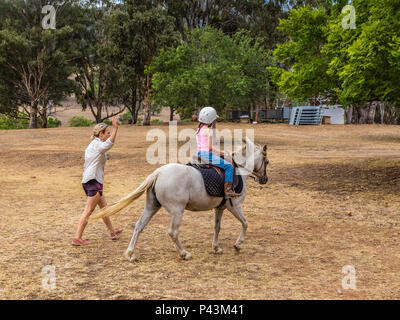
x: 332, y: 200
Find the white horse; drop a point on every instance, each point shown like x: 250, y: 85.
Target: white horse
x: 177, y: 187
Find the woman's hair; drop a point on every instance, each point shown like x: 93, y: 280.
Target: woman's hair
x: 203, y: 124
x: 98, y: 128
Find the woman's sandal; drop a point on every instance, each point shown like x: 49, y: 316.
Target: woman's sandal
x: 79, y: 242
x: 114, y: 236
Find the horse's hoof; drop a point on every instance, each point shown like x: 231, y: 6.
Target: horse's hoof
x: 130, y: 256
x: 218, y: 250
x: 238, y: 247
x: 186, y: 256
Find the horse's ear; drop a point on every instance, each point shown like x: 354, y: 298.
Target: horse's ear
x: 247, y: 140
x: 265, y: 148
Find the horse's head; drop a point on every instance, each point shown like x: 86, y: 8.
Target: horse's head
x: 260, y: 164
x: 254, y: 159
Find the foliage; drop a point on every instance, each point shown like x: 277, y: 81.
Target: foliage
x: 137, y: 32
x: 366, y: 59
x: 156, y: 121
x: 34, y: 63
x: 211, y: 68
x: 125, y: 116
x: 348, y: 66
x: 53, y: 123
x: 79, y: 121
x: 8, y: 123
x: 305, y: 72
x: 98, y: 81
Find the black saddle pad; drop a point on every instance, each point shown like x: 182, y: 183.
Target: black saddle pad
x: 214, y: 182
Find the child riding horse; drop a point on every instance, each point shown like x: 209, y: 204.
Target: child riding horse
x: 205, y: 150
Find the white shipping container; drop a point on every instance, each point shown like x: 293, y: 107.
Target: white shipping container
x: 335, y: 113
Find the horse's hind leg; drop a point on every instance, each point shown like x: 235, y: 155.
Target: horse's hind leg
x: 176, y: 218
x: 238, y: 213
x: 217, y: 227
x: 152, y: 206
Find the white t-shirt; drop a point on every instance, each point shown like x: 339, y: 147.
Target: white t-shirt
x: 95, y: 160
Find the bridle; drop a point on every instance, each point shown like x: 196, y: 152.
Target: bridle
x: 255, y: 174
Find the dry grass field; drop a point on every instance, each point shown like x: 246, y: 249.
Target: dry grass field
x: 332, y: 200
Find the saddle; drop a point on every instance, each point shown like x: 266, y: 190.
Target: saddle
x: 214, y: 177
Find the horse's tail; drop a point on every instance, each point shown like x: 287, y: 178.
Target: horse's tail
x: 128, y: 199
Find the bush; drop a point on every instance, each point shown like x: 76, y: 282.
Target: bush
x: 125, y: 116
x: 156, y: 121
x: 108, y: 121
x: 53, y: 123
x: 8, y: 123
x: 80, y: 122
x: 128, y: 118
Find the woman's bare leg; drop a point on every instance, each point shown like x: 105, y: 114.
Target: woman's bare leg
x: 102, y: 203
x: 91, y: 203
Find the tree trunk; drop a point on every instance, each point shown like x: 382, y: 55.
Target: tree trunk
x: 44, y: 117
x: 171, y: 114
x: 391, y: 114
x: 355, y: 116
x: 98, y: 114
x: 139, y: 103
x: 147, y: 112
x: 33, y: 121
x: 363, y: 114
x: 257, y: 112
x: 382, y: 111
x: 349, y: 114
x: 146, y: 103
x: 372, y: 112
x: 132, y: 108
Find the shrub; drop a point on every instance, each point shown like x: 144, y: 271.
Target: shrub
x: 125, y: 116
x: 53, y: 123
x: 108, y: 121
x: 80, y: 122
x: 156, y: 121
x: 8, y: 123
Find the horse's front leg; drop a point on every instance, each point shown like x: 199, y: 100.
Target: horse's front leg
x: 217, y: 227
x: 237, y: 211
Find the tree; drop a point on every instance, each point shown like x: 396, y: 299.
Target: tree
x: 211, y: 68
x: 133, y: 40
x: 97, y: 78
x: 254, y: 62
x: 226, y: 15
x: 356, y: 67
x: 304, y: 72
x: 34, y: 63
x: 138, y: 32
x: 366, y: 59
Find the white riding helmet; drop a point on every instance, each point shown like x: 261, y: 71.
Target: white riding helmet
x: 208, y: 115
